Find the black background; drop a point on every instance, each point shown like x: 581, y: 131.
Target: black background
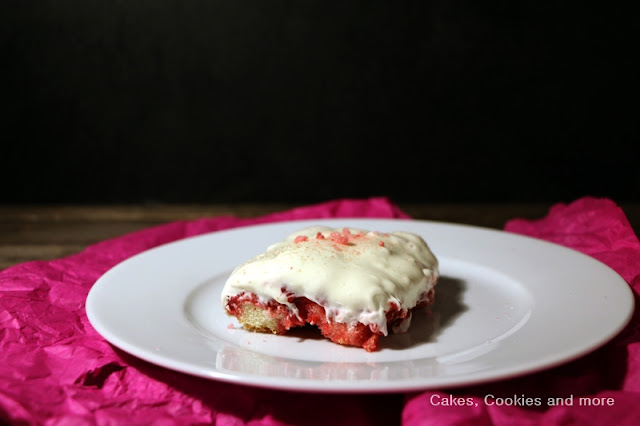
x: 302, y: 101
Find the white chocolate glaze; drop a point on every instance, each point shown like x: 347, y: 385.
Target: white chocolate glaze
x: 355, y: 275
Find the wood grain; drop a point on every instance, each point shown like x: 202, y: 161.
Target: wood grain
x: 49, y: 232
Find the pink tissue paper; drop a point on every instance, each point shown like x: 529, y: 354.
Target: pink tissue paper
x: 56, y: 370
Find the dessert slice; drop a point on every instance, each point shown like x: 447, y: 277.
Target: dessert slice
x: 354, y: 285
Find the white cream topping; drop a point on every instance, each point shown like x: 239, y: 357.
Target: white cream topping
x: 353, y: 274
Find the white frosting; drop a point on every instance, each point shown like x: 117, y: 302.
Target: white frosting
x: 353, y: 274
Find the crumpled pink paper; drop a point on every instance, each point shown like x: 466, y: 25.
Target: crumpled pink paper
x: 56, y: 370
x: 609, y: 375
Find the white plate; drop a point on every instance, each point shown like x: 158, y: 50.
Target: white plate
x: 506, y: 305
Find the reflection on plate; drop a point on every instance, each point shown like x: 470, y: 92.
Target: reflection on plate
x: 506, y: 305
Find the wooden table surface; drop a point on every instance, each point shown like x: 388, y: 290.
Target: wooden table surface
x: 48, y: 232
